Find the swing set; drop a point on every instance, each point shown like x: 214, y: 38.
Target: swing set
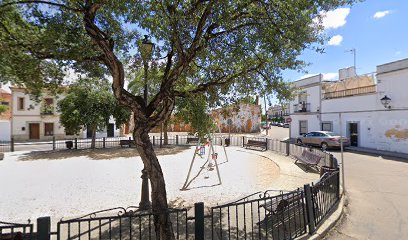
x: 209, y: 164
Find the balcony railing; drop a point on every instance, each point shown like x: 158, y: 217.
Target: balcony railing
x: 350, y: 92
x: 301, y: 107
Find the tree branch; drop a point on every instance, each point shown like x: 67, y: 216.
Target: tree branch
x: 43, y: 2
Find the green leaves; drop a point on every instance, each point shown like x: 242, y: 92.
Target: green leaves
x: 90, y: 103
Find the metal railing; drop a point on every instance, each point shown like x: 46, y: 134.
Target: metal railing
x: 325, y: 194
x: 16, y: 231
x: 5, y: 146
x: 350, y: 92
x: 301, y: 107
x: 120, y: 223
x: 268, y: 215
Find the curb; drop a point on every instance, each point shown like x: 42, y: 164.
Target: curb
x: 330, y: 221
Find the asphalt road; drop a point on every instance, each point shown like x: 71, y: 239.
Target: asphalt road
x: 377, y: 192
x: 277, y: 132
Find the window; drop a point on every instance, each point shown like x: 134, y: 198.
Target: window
x: 303, y: 97
x: 48, y: 106
x: 48, y: 129
x: 4, y: 103
x: 20, y: 103
x: 302, y: 127
x: 327, y: 126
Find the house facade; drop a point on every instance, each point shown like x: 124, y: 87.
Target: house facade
x: 39, y: 120
x: 354, y: 106
x: 278, y: 111
x: 5, y: 117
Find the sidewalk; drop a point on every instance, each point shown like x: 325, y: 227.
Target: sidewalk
x: 377, y: 152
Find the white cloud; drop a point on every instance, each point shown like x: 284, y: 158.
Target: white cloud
x: 381, y: 14
x: 335, y: 18
x: 335, y: 40
x: 330, y: 76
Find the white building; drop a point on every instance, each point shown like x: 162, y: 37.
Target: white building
x: 33, y: 120
x: 354, y: 103
x: 277, y: 111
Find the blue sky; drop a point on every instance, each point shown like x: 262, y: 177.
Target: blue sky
x: 375, y: 28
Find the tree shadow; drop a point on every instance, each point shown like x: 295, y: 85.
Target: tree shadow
x: 97, y: 154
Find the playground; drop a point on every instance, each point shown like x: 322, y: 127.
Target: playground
x: 76, y: 184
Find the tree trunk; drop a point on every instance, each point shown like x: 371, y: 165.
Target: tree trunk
x: 93, y: 142
x: 162, y: 221
x: 165, y: 127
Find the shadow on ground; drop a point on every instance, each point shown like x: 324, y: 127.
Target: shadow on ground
x: 97, y: 154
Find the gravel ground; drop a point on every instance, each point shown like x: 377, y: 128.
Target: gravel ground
x: 67, y: 184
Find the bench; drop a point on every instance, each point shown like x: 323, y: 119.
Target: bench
x: 256, y: 144
x: 128, y: 143
x: 192, y: 140
x: 309, y: 158
x: 282, y: 207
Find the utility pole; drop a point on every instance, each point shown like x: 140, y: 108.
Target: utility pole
x: 266, y: 116
x: 354, y: 51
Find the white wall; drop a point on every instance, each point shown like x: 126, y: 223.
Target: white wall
x: 312, y: 123
x: 5, y: 130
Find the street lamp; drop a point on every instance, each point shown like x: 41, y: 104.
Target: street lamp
x: 386, y: 102
x: 146, y: 50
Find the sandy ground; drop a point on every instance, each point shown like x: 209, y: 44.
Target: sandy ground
x: 68, y: 184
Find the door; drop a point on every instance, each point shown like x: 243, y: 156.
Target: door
x: 111, y: 130
x: 34, y: 130
x: 353, y: 128
x: 88, y: 132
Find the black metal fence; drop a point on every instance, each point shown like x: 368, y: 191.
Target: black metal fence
x: 120, y: 223
x: 5, y: 146
x: 16, y: 231
x: 261, y: 216
x: 325, y: 194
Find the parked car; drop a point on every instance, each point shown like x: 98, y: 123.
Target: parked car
x: 286, y: 125
x: 280, y: 124
x: 323, y: 139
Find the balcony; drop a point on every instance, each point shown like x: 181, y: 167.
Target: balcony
x: 301, y: 107
x: 47, y: 110
x: 350, y: 92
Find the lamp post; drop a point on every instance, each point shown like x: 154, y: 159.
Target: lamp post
x: 146, y: 50
x: 386, y: 102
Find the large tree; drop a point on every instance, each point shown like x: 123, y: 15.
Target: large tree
x: 220, y: 48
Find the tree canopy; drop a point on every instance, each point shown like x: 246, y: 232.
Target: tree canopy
x: 90, y: 104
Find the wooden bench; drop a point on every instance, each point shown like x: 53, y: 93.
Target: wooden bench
x: 256, y: 144
x: 309, y: 158
x: 192, y: 140
x: 127, y: 142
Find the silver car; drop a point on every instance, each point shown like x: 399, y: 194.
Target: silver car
x: 323, y: 139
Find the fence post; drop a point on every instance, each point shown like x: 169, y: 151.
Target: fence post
x: 53, y: 142
x: 199, y: 220
x: 76, y: 143
x: 243, y: 141
x: 12, y: 145
x: 176, y: 139
x: 338, y: 185
x: 287, y: 148
x: 266, y: 140
x: 309, y: 208
x: 154, y: 141
x: 103, y: 142
x: 43, y: 228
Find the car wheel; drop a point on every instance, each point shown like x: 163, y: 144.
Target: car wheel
x: 324, y: 146
x: 299, y: 141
